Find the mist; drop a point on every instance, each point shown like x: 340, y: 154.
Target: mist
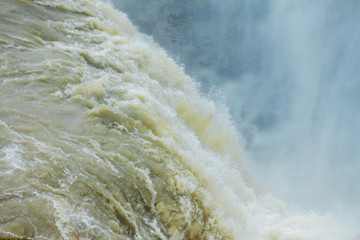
x: 288, y: 71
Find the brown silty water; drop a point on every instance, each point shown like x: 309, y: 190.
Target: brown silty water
x: 103, y: 136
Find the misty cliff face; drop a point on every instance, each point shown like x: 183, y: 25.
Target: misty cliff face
x: 289, y: 73
x: 203, y: 34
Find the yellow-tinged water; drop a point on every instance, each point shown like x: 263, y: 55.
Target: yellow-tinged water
x: 103, y: 136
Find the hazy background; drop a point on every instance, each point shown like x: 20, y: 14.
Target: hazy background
x: 290, y: 74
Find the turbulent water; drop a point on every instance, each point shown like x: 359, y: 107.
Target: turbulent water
x: 103, y: 136
x: 288, y: 71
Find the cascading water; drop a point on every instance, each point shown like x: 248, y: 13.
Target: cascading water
x: 103, y: 136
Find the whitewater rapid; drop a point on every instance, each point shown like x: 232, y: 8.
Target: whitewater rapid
x: 103, y: 136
